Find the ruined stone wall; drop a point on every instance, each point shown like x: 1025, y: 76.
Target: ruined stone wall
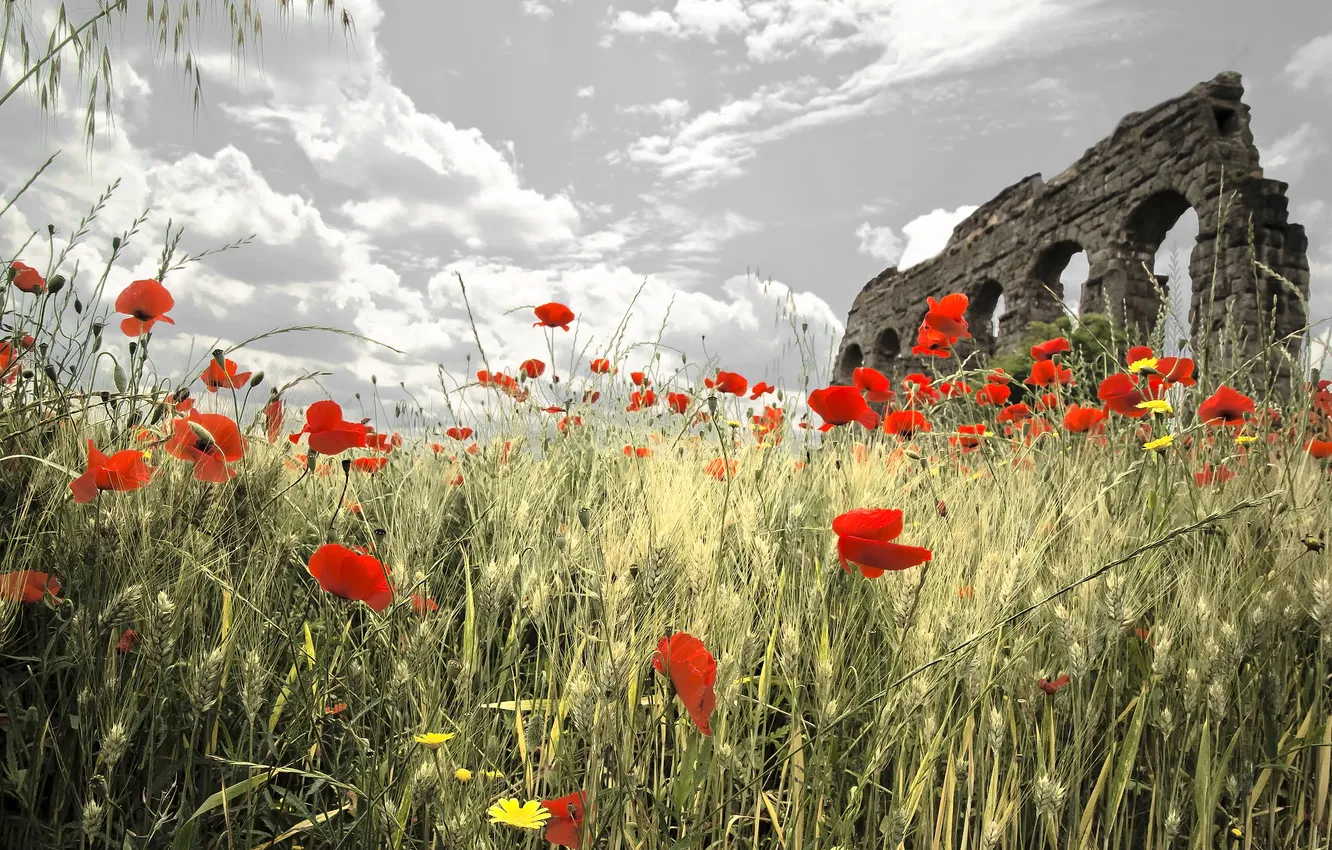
x: 1117, y: 203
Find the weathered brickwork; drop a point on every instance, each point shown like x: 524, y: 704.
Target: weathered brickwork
x: 1117, y: 203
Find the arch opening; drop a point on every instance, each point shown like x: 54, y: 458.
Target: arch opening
x: 887, y: 348
x: 985, y: 308
x: 1162, y: 233
x: 852, y: 358
x: 1057, y: 278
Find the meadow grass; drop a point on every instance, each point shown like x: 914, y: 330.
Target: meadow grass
x: 905, y: 711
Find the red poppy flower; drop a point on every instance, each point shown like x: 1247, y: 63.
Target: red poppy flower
x: 948, y: 315
x: 369, y: 464
x: 692, y: 671
x: 273, y: 417
x: 639, y: 400
x: 600, y: 366
x: 1048, y: 401
x: 728, y: 382
x: 967, y: 437
x: 456, y: 481
x: 1321, y: 449
x: 26, y: 278
x: 920, y: 388
x: 532, y: 368
x: 223, y: 376
x: 553, y: 315
x: 953, y: 389
x: 1209, y: 475
x: 352, y: 575
x: 28, y: 587
x: 677, y: 402
x: 564, y: 423
x: 1226, y: 406
x: 1052, y: 688
x: 1137, y: 353
x: 1046, y: 372
x: 864, y: 537
x: 999, y: 376
x: 127, y: 640
x: 1049, y: 348
x: 210, y: 441
x: 379, y: 442
x: 639, y: 379
x: 1079, y: 419
x: 423, y: 604
x: 124, y: 471
x: 1121, y: 393
x: 761, y: 389
x: 720, y: 469
x: 146, y: 302
x: 1176, y: 370
x: 565, y: 826
x: 905, y: 423
x: 992, y: 393
x: 931, y: 343
x: 873, y: 383
x: 329, y: 433
x: 459, y: 433
x: 1014, y: 413
x: 966, y: 591
x: 838, y: 405
x: 8, y: 362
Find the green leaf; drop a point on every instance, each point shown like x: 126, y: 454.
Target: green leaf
x: 118, y: 376
x: 1128, y: 754
x: 185, y: 835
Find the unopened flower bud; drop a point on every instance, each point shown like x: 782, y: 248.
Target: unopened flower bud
x: 78, y: 307
x: 346, y: 466
x: 257, y: 379
x: 55, y: 284
x: 133, y: 347
x: 219, y: 358
x: 584, y: 518
x: 50, y: 230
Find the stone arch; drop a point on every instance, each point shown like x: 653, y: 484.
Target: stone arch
x: 887, y: 349
x: 852, y: 358
x: 1042, y: 293
x: 984, y: 300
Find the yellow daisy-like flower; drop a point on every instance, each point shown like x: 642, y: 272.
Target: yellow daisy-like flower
x: 734, y: 424
x: 1146, y: 364
x: 509, y: 811
x: 1159, y: 406
x: 1159, y: 444
x: 147, y: 456
x: 462, y: 774
x: 433, y: 740
x: 1245, y: 439
x: 492, y: 774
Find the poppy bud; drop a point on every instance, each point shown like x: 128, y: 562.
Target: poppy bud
x: 200, y: 431
x: 219, y: 359
x: 804, y: 326
x: 97, y: 328
x: 257, y: 379
x: 561, y: 541
x: 55, y: 284
x: 115, y: 243
x: 684, y: 358
x: 712, y: 405
x: 133, y: 347
x: 912, y: 453
x: 158, y: 412
x: 105, y: 396
x: 51, y: 373
x: 78, y: 306
x: 50, y: 230
x: 42, y: 349
x: 25, y: 374
x: 357, y: 396
x: 584, y: 518
x: 310, y: 458
x: 374, y: 380
x: 346, y: 466
x: 182, y: 394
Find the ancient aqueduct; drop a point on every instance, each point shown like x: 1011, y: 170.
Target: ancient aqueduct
x: 1117, y: 203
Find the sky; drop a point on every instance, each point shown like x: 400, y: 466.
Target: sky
x: 697, y: 176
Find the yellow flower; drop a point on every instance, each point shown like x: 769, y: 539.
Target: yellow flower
x: 1147, y: 364
x: 529, y: 815
x: 147, y: 456
x: 433, y: 740
x: 1245, y: 439
x: 492, y: 774
x: 734, y: 424
x: 1159, y: 444
x: 462, y: 774
x: 1156, y: 405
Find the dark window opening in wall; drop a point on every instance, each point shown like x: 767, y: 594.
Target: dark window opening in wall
x: 1227, y: 120
x: 887, y: 348
x: 983, y: 312
x: 1164, y: 227
x: 852, y: 358
x: 1061, y: 270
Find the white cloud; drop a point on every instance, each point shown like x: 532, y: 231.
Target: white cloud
x: 537, y: 9
x: 587, y: 91
x: 1287, y: 156
x: 670, y: 111
x: 928, y: 235
x: 1311, y: 62
x: 911, y: 43
x: 879, y: 242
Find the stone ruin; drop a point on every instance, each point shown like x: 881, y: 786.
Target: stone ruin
x: 1117, y: 203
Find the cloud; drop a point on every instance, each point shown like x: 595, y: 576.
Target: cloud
x: 537, y: 9
x: 910, y: 46
x: 879, y: 242
x: 1287, y: 157
x: 928, y: 235
x: 1311, y: 62
x: 586, y: 91
x: 670, y: 111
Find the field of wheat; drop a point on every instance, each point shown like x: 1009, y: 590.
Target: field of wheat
x: 1082, y: 605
